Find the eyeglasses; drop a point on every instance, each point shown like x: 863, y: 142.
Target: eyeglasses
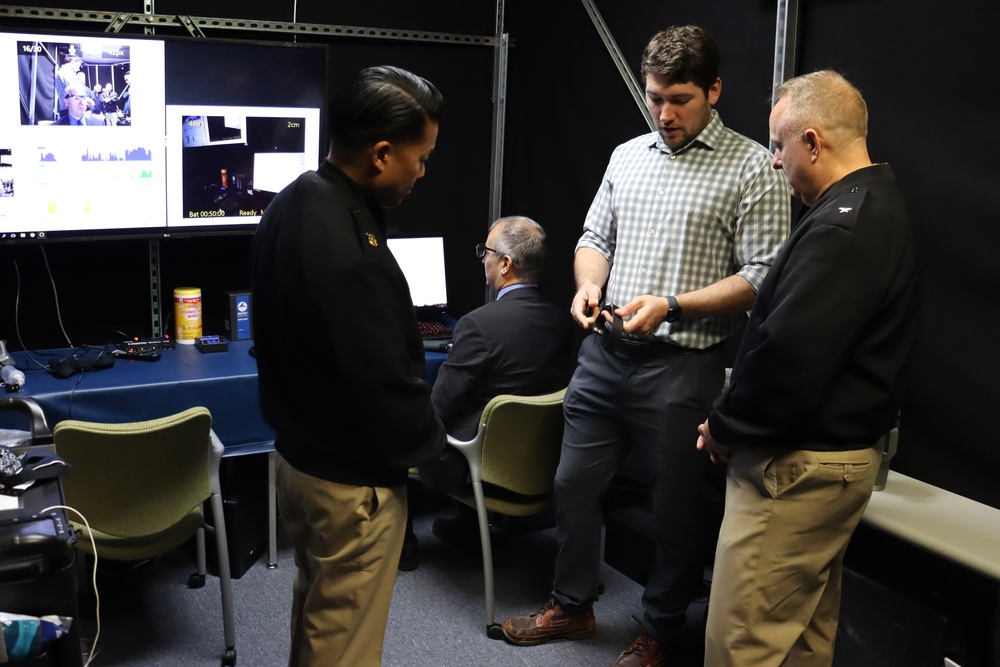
x: 76, y: 97
x: 482, y: 249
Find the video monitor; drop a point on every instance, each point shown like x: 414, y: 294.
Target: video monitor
x: 214, y: 130
x: 233, y: 160
x: 422, y: 262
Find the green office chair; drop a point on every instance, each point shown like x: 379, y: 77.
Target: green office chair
x: 515, y: 453
x: 141, y: 487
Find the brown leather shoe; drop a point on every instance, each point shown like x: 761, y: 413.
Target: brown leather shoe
x: 549, y: 622
x: 645, y: 651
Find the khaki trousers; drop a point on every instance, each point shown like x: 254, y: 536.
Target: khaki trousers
x: 790, y: 514
x: 347, y: 543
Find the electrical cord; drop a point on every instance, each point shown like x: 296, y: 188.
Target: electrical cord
x: 55, y: 296
x: 97, y: 597
x: 17, y: 309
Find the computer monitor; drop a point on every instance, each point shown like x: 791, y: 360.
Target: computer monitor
x: 202, y: 149
x: 422, y: 262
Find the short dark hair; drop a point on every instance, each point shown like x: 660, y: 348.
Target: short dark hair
x: 682, y: 54
x: 382, y: 104
x: 523, y: 240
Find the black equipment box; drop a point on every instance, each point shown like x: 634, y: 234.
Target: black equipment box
x: 37, y: 557
x: 244, y: 506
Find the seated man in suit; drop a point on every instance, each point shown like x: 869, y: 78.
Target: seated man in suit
x: 77, y: 112
x: 517, y: 344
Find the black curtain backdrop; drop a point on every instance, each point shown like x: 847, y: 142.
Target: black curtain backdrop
x: 907, y: 57
x: 922, y: 68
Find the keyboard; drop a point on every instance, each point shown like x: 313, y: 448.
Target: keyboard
x: 433, y: 329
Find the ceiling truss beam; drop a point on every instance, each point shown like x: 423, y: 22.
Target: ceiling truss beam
x: 197, y: 25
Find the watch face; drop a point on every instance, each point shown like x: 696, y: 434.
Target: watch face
x: 674, y: 310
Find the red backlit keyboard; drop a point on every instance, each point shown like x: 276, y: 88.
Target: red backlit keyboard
x: 434, y: 330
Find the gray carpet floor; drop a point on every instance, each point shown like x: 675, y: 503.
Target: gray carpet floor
x: 149, y: 618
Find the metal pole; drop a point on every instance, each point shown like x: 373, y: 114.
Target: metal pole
x: 786, y: 34
x: 501, y: 50
x: 616, y: 55
x: 499, y: 119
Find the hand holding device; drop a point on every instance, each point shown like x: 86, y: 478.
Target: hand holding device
x: 609, y: 326
x: 586, y: 308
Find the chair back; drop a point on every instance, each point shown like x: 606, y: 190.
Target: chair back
x: 140, y: 478
x: 522, y: 437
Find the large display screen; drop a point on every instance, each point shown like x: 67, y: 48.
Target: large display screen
x: 422, y: 262
x: 145, y: 136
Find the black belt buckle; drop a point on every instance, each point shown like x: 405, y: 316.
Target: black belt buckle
x: 610, y: 332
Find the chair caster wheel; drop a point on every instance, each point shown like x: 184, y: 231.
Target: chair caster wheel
x: 494, y: 631
x: 196, y: 580
x: 229, y: 657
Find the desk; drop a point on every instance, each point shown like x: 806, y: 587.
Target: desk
x: 223, y: 382
x: 943, y: 523
x: 957, y: 528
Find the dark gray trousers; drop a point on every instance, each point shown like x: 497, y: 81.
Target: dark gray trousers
x: 651, y: 401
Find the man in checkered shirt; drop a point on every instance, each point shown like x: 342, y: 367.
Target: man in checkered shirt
x: 682, y: 231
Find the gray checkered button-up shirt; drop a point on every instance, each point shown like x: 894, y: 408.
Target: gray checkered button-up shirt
x: 670, y: 223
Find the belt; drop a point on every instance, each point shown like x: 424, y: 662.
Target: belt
x: 635, y: 348
x: 614, y: 340
x: 653, y: 348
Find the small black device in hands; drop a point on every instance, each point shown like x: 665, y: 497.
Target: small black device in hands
x: 609, y: 331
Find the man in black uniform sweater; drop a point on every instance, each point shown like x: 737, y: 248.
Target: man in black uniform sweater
x: 347, y: 400
x: 816, y: 382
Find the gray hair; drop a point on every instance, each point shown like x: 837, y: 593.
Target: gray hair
x: 523, y: 240
x: 826, y: 100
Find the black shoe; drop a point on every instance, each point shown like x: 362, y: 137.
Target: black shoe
x: 409, y: 558
x: 461, y: 531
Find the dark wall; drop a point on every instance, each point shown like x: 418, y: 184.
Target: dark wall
x: 923, y: 68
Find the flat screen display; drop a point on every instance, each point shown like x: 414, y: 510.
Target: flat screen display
x: 144, y: 136
x: 422, y: 262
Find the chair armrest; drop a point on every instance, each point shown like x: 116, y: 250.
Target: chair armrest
x: 40, y: 433
x: 472, y: 450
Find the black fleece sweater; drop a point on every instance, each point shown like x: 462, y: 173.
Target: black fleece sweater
x: 340, y: 360
x: 822, y: 363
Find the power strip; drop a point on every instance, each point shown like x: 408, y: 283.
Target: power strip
x: 147, y: 344
x: 138, y: 355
